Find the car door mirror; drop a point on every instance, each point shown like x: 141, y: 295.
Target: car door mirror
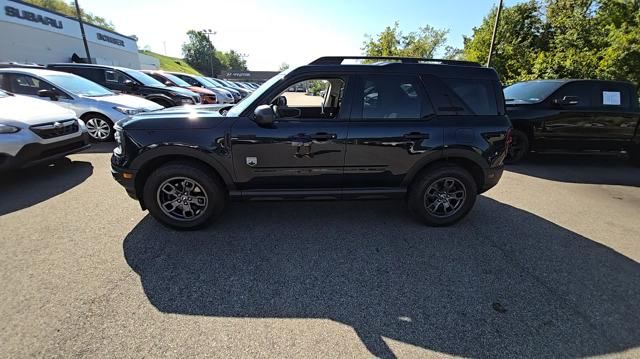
x: 130, y: 84
x: 51, y: 94
x: 168, y: 83
x: 264, y: 115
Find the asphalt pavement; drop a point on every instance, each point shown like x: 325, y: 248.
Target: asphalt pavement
x: 545, y: 265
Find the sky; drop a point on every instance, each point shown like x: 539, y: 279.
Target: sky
x: 270, y: 32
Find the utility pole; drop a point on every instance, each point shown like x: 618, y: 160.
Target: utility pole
x: 210, y: 32
x: 84, y: 37
x: 495, y: 30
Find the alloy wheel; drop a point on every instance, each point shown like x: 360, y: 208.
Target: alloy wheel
x: 182, y: 198
x: 98, y: 128
x: 445, y: 196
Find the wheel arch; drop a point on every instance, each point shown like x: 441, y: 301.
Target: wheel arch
x: 472, y: 166
x: 153, y: 159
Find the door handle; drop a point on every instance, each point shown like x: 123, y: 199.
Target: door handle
x: 415, y: 136
x: 323, y: 136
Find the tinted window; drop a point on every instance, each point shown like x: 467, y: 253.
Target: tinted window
x: 388, y: 97
x: 95, y: 75
x: 189, y: 80
x: 531, y: 91
x: 614, y: 96
x: 476, y: 96
x: 112, y: 76
x: 175, y: 79
x: 583, y: 91
x: 28, y: 85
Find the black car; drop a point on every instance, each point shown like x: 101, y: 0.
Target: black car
x: 432, y: 131
x: 573, y: 116
x: 205, y: 82
x: 131, y: 82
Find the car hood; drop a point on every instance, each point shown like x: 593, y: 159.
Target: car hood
x: 176, y: 118
x: 31, y: 111
x: 128, y: 101
x: 200, y: 90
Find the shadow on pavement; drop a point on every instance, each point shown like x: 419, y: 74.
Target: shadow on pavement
x: 100, y: 147
x: 503, y: 282
x: 25, y: 188
x: 591, y: 169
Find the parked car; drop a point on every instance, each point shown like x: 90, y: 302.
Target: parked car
x: 574, y: 116
x: 243, y: 92
x: 132, y: 82
x: 224, y: 96
x: 98, y: 107
x: 34, y: 131
x: 207, y: 96
x: 237, y: 96
x: 436, y: 134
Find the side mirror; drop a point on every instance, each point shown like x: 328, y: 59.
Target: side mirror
x: 51, y: 94
x: 130, y: 84
x: 264, y: 115
x: 168, y: 83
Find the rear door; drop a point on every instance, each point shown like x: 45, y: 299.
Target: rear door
x: 392, y: 127
x: 616, y: 119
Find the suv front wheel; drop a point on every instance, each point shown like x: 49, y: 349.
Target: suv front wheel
x: 184, y: 196
x: 442, y: 195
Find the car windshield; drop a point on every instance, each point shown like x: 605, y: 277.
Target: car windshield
x: 206, y: 81
x: 176, y: 80
x: 239, y: 108
x: 77, y: 85
x: 143, y: 78
x: 214, y: 81
x: 532, y: 91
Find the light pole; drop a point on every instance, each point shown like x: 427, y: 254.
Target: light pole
x: 84, y: 37
x: 210, y: 32
x: 493, y: 36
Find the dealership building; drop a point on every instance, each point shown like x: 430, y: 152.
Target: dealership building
x: 248, y: 76
x: 31, y: 34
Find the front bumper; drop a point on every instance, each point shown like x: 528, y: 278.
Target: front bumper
x: 37, y: 153
x: 126, y: 178
x: 491, y: 178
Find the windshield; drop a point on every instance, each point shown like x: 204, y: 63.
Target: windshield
x: 143, y: 78
x: 77, y: 85
x: 237, y: 109
x: 532, y: 91
x: 176, y: 80
x: 215, y: 82
x: 206, y: 82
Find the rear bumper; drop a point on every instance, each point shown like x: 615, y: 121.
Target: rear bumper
x: 37, y: 153
x: 491, y: 178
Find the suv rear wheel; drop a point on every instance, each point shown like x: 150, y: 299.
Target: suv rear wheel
x: 184, y: 196
x: 443, y: 195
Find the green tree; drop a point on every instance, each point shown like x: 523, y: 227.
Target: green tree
x: 232, y: 60
x: 284, y: 66
x: 392, y: 42
x: 200, y: 54
x: 69, y: 9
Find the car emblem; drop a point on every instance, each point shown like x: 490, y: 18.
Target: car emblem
x: 252, y: 161
x: 57, y: 125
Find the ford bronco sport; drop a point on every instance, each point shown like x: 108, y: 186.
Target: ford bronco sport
x: 431, y: 131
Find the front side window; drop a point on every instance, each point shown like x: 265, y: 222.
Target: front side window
x: 317, y: 99
x: 390, y: 97
x: 117, y: 77
x: 28, y: 85
x: 580, y: 92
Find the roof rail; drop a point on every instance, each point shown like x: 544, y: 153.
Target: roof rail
x: 337, y: 60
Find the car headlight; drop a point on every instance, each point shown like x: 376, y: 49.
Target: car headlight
x: 8, y: 129
x: 186, y: 101
x: 127, y: 110
x: 229, y: 95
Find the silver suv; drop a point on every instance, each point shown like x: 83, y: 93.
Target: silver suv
x: 34, y: 131
x: 97, y: 106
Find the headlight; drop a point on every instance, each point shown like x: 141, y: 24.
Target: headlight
x: 8, y: 129
x: 229, y: 95
x: 127, y: 110
x: 186, y: 101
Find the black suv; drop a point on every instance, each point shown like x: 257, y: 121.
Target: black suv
x: 431, y: 131
x: 573, y: 116
x: 124, y: 80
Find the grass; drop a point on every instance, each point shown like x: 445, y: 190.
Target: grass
x: 169, y: 63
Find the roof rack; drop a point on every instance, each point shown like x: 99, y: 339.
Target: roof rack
x: 337, y: 60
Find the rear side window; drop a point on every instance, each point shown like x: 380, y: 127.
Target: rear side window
x: 474, y: 96
x: 614, y: 96
x: 391, y: 96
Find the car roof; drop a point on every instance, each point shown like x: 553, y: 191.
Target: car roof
x: 36, y: 72
x: 563, y: 81
x: 73, y: 64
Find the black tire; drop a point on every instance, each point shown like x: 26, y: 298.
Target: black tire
x: 174, y: 174
x: 419, y: 200
x: 519, y: 147
x: 96, y: 123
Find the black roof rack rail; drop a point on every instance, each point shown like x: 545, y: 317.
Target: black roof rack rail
x: 337, y: 60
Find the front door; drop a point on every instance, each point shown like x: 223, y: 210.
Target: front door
x: 303, y: 149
